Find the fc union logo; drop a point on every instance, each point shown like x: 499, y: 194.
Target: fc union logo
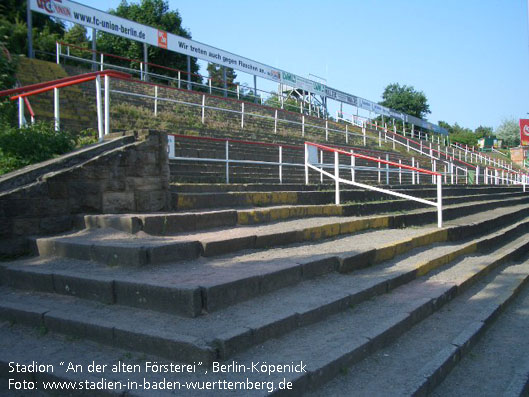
x: 45, y: 5
x: 52, y: 8
x: 526, y: 130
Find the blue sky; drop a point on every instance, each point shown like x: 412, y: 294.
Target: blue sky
x: 470, y: 57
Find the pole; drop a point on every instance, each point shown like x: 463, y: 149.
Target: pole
x: 439, y: 202
x: 255, y: 88
x: 225, y: 81
x: 146, y: 61
x: 337, y: 176
x: 189, y: 73
x: 107, y: 105
x: 56, y: 108
x: 21, y: 122
x: 99, y: 111
x: 29, y: 22
x: 94, y: 47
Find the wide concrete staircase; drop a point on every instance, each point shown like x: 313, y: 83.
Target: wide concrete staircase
x: 367, y: 298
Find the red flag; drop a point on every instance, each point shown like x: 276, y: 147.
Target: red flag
x: 524, y: 132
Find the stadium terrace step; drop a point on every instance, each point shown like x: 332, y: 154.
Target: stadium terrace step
x: 185, y: 201
x: 363, y: 312
x: 207, y: 284
x: 171, y: 223
x: 117, y: 248
x: 494, y: 357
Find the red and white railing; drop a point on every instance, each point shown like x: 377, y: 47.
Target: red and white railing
x: 22, y: 93
x: 230, y: 146
x: 312, y: 161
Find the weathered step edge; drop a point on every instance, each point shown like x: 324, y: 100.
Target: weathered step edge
x: 436, y: 370
x: 195, y: 301
x: 188, y: 349
x: 112, y: 254
x: 167, y: 224
x: 319, y: 377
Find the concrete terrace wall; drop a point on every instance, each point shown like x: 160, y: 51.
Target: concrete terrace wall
x: 131, y: 178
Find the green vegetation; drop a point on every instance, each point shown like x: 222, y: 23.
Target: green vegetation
x: 405, y: 99
x: 509, y: 132
x: 13, y: 29
x: 31, y: 144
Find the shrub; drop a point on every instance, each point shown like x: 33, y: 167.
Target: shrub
x: 31, y: 144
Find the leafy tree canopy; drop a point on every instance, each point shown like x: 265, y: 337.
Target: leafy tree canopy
x: 465, y: 135
x: 13, y: 28
x: 509, y: 132
x: 216, y: 75
x: 405, y: 99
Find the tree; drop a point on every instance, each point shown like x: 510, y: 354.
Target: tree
x: 509, y: 132
x: 153, y: 13
x: 13, y: 28
x: 216, y: 75
x: 484, y: 132
x: 405, y: 99
x: 77, y: 35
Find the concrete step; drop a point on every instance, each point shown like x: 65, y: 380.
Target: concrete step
x: 497, y: 364
x: 171, y: 223
x: 210, y: 284
x: 191, y: 201
x: 417, y: 362
x: 226, y: 333
x: 113, y: 247
x: 325, y: 347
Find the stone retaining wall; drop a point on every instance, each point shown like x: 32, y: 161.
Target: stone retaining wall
x: 132, y: 178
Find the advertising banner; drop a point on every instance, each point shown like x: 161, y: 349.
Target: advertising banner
x: 524, y: 132
x: 92, y: 18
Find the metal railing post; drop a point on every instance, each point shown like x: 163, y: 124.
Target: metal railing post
x: 400, y: 172
x: 353, y: 164
x: 326, y: 130
x: 156, y: 100
x: 321, y: 166
x: 107, y: 104
x: 275, y: 122
x: 242, y: 116
x: 477, y: 175
x: 227, y: 161
x: 439, y: 202
x: 58, y: 50
x: 99, y: 109
x: 378, y: 165
x: 21, y: 119
x: 280, y: 164
x: 306, y: 164
x: 102, y: 63
x: 56, y: 108
x: 413, y: 172
x: 364, y: 131
x: 337, y: 177
x: 387, y: 169
x: 203, y: 108
x: 346, y: 134
x: 418, y: 174
x: 303, y: 125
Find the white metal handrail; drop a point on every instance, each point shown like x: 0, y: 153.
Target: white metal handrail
x: 311, y: 162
